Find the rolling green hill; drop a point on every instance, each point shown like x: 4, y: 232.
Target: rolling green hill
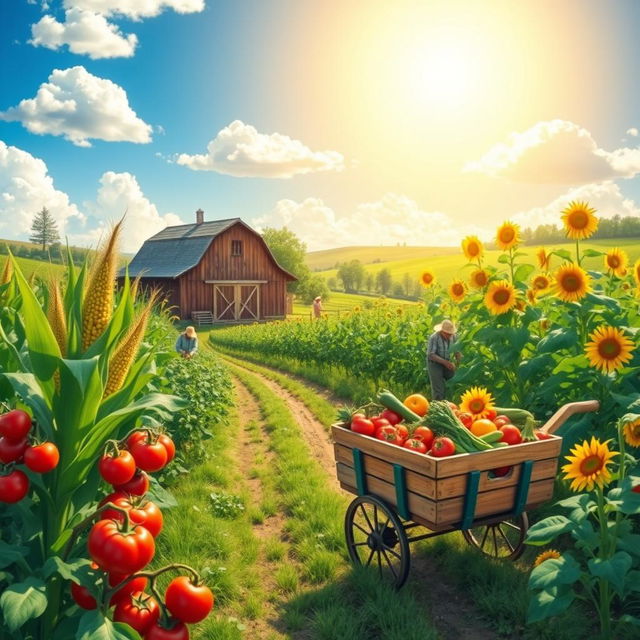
x: 449, y: 263
x: 39, y: 267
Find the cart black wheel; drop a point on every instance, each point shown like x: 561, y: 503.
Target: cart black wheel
x: 504, y: 540
x: 376, y: 538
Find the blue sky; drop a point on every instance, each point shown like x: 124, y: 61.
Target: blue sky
x: 350, y: 122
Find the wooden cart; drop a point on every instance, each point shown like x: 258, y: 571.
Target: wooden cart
x: 399, y: 490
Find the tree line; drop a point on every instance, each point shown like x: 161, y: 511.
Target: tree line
x: 616, y: 227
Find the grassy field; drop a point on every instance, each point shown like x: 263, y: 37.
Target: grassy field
x: 448, y: 263
x: 341, y: 302
x: 40, y: 268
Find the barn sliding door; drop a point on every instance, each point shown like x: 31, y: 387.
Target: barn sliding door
x: 235, y: 302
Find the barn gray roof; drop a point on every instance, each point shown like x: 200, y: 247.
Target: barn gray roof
x: 175, y: 250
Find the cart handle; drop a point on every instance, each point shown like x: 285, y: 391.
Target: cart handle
x: 566, y: 411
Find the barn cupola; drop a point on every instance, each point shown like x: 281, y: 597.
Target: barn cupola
x: 199, y: 216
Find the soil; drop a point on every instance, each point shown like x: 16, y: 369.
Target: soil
x: 453, y: 614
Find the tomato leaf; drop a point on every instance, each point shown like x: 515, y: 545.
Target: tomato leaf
x: 23, y: 601
x: 548, y: 529
x: 67, y: 570
x: 95, y: 626
x: 10, y: 553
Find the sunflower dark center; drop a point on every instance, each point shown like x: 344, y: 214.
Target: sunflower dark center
x: 458, y: 289
x: 579, y: 219
x: 591, y: 464
x: 507, y: 235
x: 476, y: 405
x: 481, y: 278
x: 540, y: 283
x: 571, y: 282
x: 473, y: 249
x: 501, y: 297
x: 609, y: 348
x: 613, y: 262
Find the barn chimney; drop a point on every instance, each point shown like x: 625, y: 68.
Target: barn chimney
x: 199, y: 216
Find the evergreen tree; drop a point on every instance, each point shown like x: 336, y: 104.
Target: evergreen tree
x: 44, y: 230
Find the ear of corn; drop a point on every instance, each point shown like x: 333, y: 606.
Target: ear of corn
x: 56, y: 315
x: 7, y: 272
x: 126, y: 351
x: 99, y: 295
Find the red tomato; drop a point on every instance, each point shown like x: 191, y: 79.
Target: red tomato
x: 466, y: 419
x: 402, y: 430
x: 13, y: 487
x: 137, y: 486
x: 188, y: 602
x: 393, y: 437
x: 11, y: 451
x: 378, y: 422
x: 147, y: 514
x: 442, y: 446
x: 177, y: 631
x: 500, y: 471
x: 452, y: 405
x: 136, y: 436
x: 139, y: 583
x: 542, y: 435
x: 15, y: 425
x: 510, y: 434
x: 82, y: 596
x: 415, y: 445
x: 117, y: 469
x: 169, y: 445
x: 383, y: 432
x: 112, y: 497
x: 363, y: 426
x: 636, y: 489
x: 391, y: 416
x: 149, y: 456
x: 139, y: 611
x: 500, y: 421
x: 120, y: 552
x: 490, y: 414
x: 42, y: 458
x: 425, y: 434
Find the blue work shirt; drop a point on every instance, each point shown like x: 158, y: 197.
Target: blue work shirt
x: 183, y: 343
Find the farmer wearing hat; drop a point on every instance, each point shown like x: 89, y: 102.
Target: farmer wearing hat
x: 317, y: 306
x: 439, y: 366
x: 187, y: 343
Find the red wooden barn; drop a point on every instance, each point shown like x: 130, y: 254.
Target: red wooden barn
x: 222, y: 267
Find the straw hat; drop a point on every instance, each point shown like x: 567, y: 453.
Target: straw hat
x: 190, y: 332
x: 317, y: 298
x: 446, y: 325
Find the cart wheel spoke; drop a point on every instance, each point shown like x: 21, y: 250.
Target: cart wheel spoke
x: 368, y: 562
x: 375, y: 517
x: 506, y: 523
x: 366, y: 517
x: 366, y: 533
x: 495, y: 541
x: 484, y: 539
x: 505, y: 538
x: 386, y: 557
x: 390, y: 550
x: 378, y: 554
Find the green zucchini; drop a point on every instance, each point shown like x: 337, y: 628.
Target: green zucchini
x: 389, y: 401
x: 492, y: 436
x: 518, y: 417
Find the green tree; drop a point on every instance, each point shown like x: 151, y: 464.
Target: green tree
x: 352, y: 275
x: 311, y: 286
x: 383, y: 281
x: 44, y: 229
x: 290, y: 253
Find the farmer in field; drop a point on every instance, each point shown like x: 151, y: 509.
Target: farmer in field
x: 317, y: 307
x: 439, y: 366
x: 187, y: 343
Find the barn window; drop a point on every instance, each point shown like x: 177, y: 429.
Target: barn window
x: 236, y: 247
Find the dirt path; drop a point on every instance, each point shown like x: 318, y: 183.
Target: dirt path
x: 453, y: 614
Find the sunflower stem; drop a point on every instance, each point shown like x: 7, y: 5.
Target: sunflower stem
x: 578, y: 251
x: 604, y: 610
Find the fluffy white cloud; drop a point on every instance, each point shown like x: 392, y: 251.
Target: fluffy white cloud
x: 605, y: 197
x: 557, y: 152
x: 79, y: 106
x: 120, y: 194
x: 135, y: 9
x: 633, y: 132
x: 26, y: 187
x: 239, y: 150
x: 85, y: 33
x: 395, y: 218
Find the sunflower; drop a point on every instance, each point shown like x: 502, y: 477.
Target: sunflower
x: 532, y: 296
x: 587, y: 466
x: 541, y: 282
x: 457, y: 290
x: 508, y: 236
x: 631, y: 432
x: 472, y: 248
x: 479, y: 279
x: 500, y: 297
x: 636, y: 272
x: 579, y: 221
x: 616, y: 261
x: 477, y: 401
x: 571, y: 283
x: 549, y: 554
x: 544, y: 259
x: 609, y: 349
x: 427, y: 278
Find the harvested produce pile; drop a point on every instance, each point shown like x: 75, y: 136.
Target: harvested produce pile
x: 442, y: 428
